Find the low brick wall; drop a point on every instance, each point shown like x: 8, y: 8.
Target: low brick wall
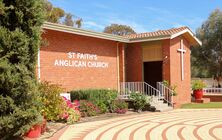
x: 214, y: 97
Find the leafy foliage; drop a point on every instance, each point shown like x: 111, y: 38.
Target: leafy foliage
x: 198, y: 84
x: 56, y: 14
x: 54, y: 107
x: 71, y: 114
x: 87, y: 108
x: 118, y: 29
x: 120, y: 106
x: 68, y: 20
x: 74, y: 116
x: 102, y: 107
x: 98, y: 97
x: 139, y: 101
x: 20, y: 36
x: 172, y: 87
x: 53, y: 103
x: 207, y: 59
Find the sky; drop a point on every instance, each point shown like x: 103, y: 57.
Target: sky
x: 141, y: 15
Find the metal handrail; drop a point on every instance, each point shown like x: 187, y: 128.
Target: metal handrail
x: 139, y: 87
x: 166, y: 92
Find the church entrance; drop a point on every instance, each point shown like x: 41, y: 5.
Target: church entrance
x: 152, y: 72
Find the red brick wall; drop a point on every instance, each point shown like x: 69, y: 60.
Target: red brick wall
x: 122, y: 62
x: 166, y: 59
x: 78, y: 78
x: 214, y: 98
x: 183, y: 87
x: 134, y: 63
x: 130, y: 63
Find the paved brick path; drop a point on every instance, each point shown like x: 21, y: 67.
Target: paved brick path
x: 173, y: 125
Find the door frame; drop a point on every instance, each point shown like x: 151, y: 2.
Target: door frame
x: 143, y: 69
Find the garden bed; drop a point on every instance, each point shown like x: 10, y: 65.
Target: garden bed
x: 108, y: 115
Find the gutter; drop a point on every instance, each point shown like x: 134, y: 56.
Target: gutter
x: 68, y: 29
x: 78, y: 31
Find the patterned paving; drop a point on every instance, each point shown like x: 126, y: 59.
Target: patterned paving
x: 173, y: 125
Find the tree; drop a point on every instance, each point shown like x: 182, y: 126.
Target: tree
x: 68, y: 20
x: 78, y: 23
x: 56, y: 14
x: 20, y: 36
x: 208, y: 58
x: 118, y: 29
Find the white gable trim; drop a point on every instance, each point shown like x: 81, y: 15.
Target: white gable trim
x: 67, y: 29
x: 190, y: 33
x: 148, y: 39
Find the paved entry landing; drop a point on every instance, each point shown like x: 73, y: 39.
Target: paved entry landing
x: 173, y: 125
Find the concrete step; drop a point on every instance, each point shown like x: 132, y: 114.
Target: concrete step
x: 159, y: 105
x: 156, y: 102
x: 163, y: 109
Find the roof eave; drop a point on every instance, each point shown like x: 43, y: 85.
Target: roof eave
x: 197, y: 41
x: 137, y: 40
x: 67, y: 29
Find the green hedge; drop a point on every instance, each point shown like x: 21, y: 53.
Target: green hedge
x: 93, y: 94
x: 103, y: 98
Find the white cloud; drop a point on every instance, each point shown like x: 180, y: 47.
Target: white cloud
x: 136, y: 26
x: 110, y: 18
x: 93, y: 25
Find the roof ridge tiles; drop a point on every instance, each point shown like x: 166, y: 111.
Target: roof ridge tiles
x: 166, y: 32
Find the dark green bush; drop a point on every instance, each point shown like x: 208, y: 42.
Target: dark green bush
x: 100, y: 96
x: 20, y: 37
x: 102, y: 107
x: 139, y: 101
x: 80, y: 95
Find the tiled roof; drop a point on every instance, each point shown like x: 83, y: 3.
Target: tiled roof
x: 159, y: 33
x: 150, y: 36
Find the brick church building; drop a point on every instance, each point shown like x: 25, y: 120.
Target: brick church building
x: 80, y: 59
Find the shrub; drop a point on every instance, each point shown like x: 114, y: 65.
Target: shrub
x: 147, y: 105
x: 172, y: 87
x: 102, y: 107
x: 20, y: 36
x: 139, y: 101
x: 71, y: 113
x: 110, y: 98
x: 99, y: 97
x: 53, y: 103
x: 198, y: 84
x: 148, y: 99
x: 80, y: 95
x: 120, y: 106
x: 73, y: 116
x: 87, y: 108
x: 93, y: 94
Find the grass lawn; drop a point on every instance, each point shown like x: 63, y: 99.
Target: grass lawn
x: 204, y: 105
